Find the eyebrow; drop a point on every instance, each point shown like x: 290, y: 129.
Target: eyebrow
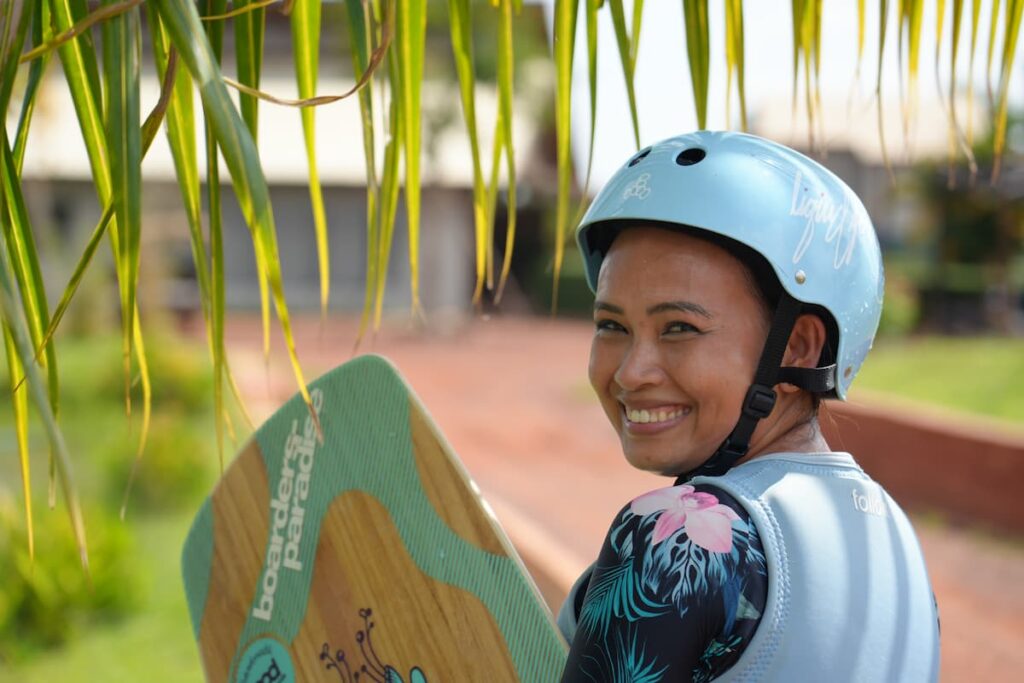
x: 685, y: 306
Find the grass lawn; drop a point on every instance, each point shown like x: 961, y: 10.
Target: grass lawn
x: 154, y: 645
x: 984, y: 376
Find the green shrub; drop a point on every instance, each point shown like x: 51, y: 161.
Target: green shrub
x: 901, y: 311
x: 176, y: 469
x: 91, y: 372
x: 45, y: 603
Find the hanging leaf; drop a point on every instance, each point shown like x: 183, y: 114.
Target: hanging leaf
x: 975, y: 16
x: 250, y: 28
x: 1014, y: 8
x: 565, y: 40
x: 505, y: 80
x: 121, y: 57
x: 861, y: 14
x: 78, y: 57
x: 734, y: 49
x: 883, y: 15
x: 239, y: 151
x: 305, y: 19
x: 360, y: 34
x: 461, y: 24
x: 17, y: 331
x: 695, y: 16
x: 993, y: 32
x: 390, y: 184
x: 627, y: 54
x: 410, y: 35
x: 19, y: 404
x: 104, y: 13
x: 911, y: 13
x: 41, y: 32
x: 592, y: 7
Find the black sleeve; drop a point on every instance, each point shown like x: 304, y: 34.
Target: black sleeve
x: 677, y: 592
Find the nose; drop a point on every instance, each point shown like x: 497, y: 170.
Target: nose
x: 640, y: 367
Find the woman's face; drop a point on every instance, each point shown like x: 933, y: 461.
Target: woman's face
x: 678, y: 334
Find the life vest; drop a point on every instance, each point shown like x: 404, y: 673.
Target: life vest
x: 848, y: 593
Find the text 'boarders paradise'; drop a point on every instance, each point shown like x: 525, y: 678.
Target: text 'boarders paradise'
x: 293, y: 489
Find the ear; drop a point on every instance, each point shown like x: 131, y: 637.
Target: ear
x: 806, y: 342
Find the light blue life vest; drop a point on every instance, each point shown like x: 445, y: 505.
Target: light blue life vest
x: 848, y: 593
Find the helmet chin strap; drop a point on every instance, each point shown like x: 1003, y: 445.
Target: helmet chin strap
x: 760, y: 398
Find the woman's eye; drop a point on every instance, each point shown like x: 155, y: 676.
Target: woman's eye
x: 605, y: 325
x: 679, y: 327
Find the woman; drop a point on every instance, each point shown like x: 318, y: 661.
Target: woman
x: 737, y: 284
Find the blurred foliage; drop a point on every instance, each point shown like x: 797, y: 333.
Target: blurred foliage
x: 173, y: 474
x: 47, y: 603
x: 901, y: 311
x: 966, y: 257
x: 52, y: 602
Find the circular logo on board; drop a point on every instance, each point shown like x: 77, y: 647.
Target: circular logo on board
x: 265, y: 661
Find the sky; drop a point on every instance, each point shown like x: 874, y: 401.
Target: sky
x: 664, y: 91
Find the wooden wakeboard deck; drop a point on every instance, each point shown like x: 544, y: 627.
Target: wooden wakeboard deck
x: 369, y: 556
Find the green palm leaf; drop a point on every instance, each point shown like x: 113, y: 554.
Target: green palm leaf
x: 250, y: 27
x: 734, y: 49
x: 41, y: 32
x: 121, y: 57
x: 695, y: 16
x: 911, y: 13
x: 883, y: 15
x: 389, y: 186
x: 78, y: 57
x: 239, y: 151
x: 461, y: 24
x: 410, y: 34
x: 975, y: 20
x: 1011, y: 32
x: 306, y: 44
x: 993, y: 31
x: 19, y: 402
x: 627, y: 54
x: 18, y: 333
x: 360, y: 35
x: 592, y: 7
x: 505, y: 79
x: 565, y: 41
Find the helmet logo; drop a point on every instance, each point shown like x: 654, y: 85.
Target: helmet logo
x: 639, y: 188
x: 840, y: 221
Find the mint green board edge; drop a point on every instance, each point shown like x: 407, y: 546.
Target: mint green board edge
x: 196, y: 561
x: 365, y: 392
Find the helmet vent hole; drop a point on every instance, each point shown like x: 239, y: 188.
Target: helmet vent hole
x: 689, y: 157
x: 639, y: 157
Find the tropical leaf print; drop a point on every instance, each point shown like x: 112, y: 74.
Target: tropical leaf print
x: 627, y: 662
x: 615, y: 592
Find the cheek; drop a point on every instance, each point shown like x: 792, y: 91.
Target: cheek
x: 604, y: 362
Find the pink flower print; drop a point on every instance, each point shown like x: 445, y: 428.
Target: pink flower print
x: 707, y: 522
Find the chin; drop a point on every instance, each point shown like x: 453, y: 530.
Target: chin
x: 654, y: 464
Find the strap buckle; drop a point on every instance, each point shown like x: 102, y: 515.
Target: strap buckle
x: 759, y: 401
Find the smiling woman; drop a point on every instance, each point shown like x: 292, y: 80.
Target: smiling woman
x: 725, y: 310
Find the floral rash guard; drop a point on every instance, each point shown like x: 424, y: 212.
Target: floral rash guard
x: 676, y: 594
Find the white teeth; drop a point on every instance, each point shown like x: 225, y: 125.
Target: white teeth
x: 647, y: 416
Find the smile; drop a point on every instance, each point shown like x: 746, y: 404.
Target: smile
x: 659, y: 416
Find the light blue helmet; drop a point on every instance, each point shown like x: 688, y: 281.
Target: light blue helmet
x: 806, y: 222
